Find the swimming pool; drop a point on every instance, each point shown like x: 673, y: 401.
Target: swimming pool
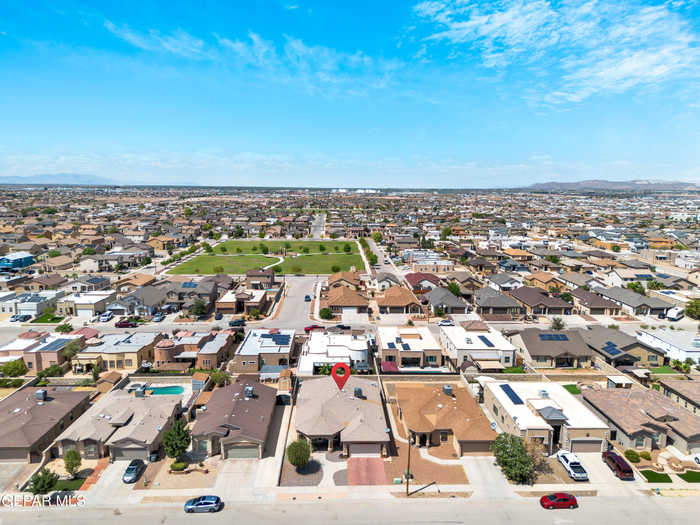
x: 166, y: 390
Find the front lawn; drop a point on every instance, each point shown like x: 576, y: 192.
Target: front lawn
x: 322, y: 264
x: 513, y: 370
x: 692, y: 476
x: 205, y: 264
x: 48, y: 317
x: 655, y: 477
x: 69, y: 484
x: 573, y: 389
x: 663, y: 370
x: 278, y: 246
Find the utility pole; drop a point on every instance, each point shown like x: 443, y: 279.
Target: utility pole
x: 408, y: 466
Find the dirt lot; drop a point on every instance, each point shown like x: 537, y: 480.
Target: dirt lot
x: 309, y: 476
x: 158, y: 477
x: 555, y: 473
x: 423, y: 471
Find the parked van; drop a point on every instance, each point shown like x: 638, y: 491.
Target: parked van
x: 618, y: 465
x: 675, y: 314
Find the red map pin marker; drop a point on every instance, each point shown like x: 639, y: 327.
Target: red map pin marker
x: 340, y: 380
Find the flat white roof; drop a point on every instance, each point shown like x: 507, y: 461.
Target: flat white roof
x: 418, y: 338
x: 89, y: 297
x: 476, y: 340
x: 531, y: 394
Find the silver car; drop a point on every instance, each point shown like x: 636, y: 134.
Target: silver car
x: 132, y: 472
x: 204, y: 504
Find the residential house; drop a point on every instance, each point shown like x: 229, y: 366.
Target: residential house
x: 184, y: 294
x: 422, y: 282
x: 203, y: 350
x: 85, y: 304
x: 492, y: 302
x: 504, y: 281
x: 385, y: 280
x: 618, y: 348
x: 553, y: 348
x: 593, y: 304
x: 343, y: 300
x: 675, y: 344
x: 535, y: 301
x: 261, y: 348
x: 327, y: 349
x: 442, y: 300
x: 144, y: 301
x: 685, y: 392
x: 476, y: 342
x: 633, y: 303
x: 398, y: 300
x: 407, y: 347
x: 347, y: 279
x: 16, y: 260
x: 122, y: 351
x: 542, y: 280
x: 259, y: 279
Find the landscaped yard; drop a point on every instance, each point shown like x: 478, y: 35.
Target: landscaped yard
x: 573, y: 389
x: 278, y: 246
x: 69, y: 484
x: 48, y: 317
x: 655, y: 477
x: 663, y: 370
x: 205, y: 264
x: 322, y: 264
x: 692, y: 476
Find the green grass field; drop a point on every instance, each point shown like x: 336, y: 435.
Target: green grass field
x: 692, y: 476
x: 69, y: 484
x: 663, y: 370
x: 655, y: 477
x: 205, y: 264
x: 48, y: 317
x: 322, y: 264
x: 276, y: 246
x: 573, y: 389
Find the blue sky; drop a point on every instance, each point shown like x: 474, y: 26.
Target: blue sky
x: 438, y: 93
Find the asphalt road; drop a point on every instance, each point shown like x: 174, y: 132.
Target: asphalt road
x: 318, y: 226
x: 381, y: 255
x: 612, y: 510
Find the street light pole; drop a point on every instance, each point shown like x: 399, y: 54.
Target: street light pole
x: 408, y: 466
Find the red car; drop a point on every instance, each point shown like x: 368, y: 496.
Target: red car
x: 125, y: 324
x: 312, y: 327
x: 559, y: 500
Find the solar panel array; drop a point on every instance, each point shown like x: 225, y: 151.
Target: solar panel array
x: 515, y: 398
x: 189, y: 285
x: 392, y: 346
x: 278, y: 339
x: 611, y: 348
x: 486, y: 341
x: 553, y: 337
x: 55, y: 345
x: 405, y: 346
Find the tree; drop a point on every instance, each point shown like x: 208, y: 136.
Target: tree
x: 692, y: 308
x: 513, y: 458
x: 199, y: 307
x: 207, y: 247
x: 636, y: 286
x: 615, y: 248
x: 305, y: 249
x: 554, y: 259
x: 218, y: 269
x: 347, y: 248
x: 326, y: 313
x: 14, y: 368
x: 72, y: 461
x: 177, y: 439
x: 445, y: 233
x: 64, y: 328
x: 42, y: 482
x: 566, y: 296
x: 321, y: 248
x: 95, y: 374
x: 188, y: 212
x: 146, y: 261
x: 219, y: 377
x: 53, y: 253
x: 654, y: 285
x: 72, y: 348
x: 335, y: 268
x: 89, y: 251
x: 264, y: 249
x: 453, y: 287
x: 377, y: 237
x: 558, y: 323
x: 277, y: 268
x: 299, y: 453
x: 255, y: 313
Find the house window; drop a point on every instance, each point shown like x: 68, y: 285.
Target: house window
x: 91, y: 449
x: 431, y: 359
x: 443, y: 435
x: 506, y: 359
x: 111, y: 364
x: 390, y: 358
x: 128, y: 363
x: 613, y: 435
x: 495, y: 409
x: 652, y: 357
x: 639, y: 442
x: 30, y: 365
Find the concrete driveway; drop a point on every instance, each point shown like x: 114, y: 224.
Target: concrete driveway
x: 8, y: 475
x: 486, y: 478
x: 110, y: 488
x: 598, y: 471
x: 236, y: 478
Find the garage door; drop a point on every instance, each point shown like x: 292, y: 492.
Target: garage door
x: 588, y: 445
x: 472, y: 447
x: 349, y: 309
x: 128, y: 454
x: 84, y: 312
x: 14, y: 454
x: 242, y: 452
x: 365, y: 449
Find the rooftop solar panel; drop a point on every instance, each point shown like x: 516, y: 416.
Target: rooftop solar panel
x: 486, y: 341
x: 515, y: 398
x: 391, y: 345
x: 405, y: 346
x: 55, y: 345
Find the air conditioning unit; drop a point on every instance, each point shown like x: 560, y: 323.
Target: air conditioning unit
x: 358, y: 393
x: 40, y: 395
x: 544, y: 394
x: 249, y: 391
x: 447, y: 389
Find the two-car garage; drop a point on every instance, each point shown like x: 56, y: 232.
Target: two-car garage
x: 241, y: 451
x: 586, y: 445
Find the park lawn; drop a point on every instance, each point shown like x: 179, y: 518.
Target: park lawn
x: 663, y: 370
x: 48, y: 317
x: 322, y: 264
x: 69, y: 484
x: 573, y: 389
x: 691, y: 476
x: 655, y: 477
x: 231, y: 264
x: 280, y: 245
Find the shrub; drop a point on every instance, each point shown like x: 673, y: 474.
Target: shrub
x: 325, y: 313
x: 42, y: 482
x: 72, y: 461
x: 513, y: 458
x: 64, y: 328
x: 14, y: 368
x: 51, y: 371
x: 645, y: 455
x: 176, y: 440
x: 632, y: 456
x: 299, y: 453
x: 178, y: 466
x: 335, y: 268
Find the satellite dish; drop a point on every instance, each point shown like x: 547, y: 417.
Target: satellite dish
x: 493, y: 426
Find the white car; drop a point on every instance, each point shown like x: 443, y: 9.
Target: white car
x: 107, y: 316
x: 572, y: 465
x: 446, y: 322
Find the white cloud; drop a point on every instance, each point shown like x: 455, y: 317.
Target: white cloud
x: 581, y: 48
x: 179, y: 42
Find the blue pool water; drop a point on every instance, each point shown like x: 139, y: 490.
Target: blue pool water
x: 166, y: 390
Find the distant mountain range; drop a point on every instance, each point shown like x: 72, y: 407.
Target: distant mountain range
x: 60, y: 178
x: 613, y: 185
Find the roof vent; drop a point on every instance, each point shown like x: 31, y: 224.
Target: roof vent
x: 544, y: 394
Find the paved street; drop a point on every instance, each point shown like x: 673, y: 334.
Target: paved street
x: 318, y: 226
x: 602, y: 510
x: 381, y: 256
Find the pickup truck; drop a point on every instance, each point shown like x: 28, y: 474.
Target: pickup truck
x: 572, y: 465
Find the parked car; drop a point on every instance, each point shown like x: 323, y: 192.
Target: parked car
x: 158, y: 317
x: 312, y: 327
x: 307, y: 298
x: 125, y: 323
x: 133, y: 471
x: 572, y: 465
x: 618, y: 465
x: 107, y: 316
x: 14, y: 318
x: 24, y: 318
x: 204, y: 504
x: 237, y: 322
x: 559, y: 500
x: 362, y: 367
x: 343, y: 327
x: 446, y: 322
x: 218, y: 316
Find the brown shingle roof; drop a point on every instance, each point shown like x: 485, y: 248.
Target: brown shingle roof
x: 342, y: 296
x: 397, y: 296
